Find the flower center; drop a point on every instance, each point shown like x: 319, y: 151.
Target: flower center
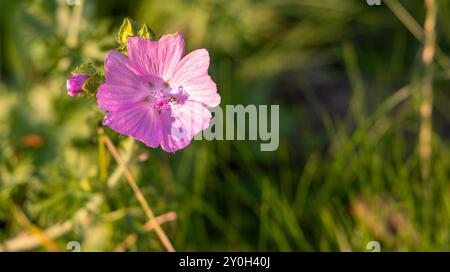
x: 161, y: 104
x: 163, y: 98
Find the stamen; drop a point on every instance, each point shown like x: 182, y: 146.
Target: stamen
x: 164, y: 97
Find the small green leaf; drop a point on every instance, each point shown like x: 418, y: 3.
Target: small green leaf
x: 85, y: 69
x: 126, y: 30
x: 144, y: 32
x: 92, y: 84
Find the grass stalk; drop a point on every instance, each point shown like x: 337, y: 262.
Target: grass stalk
x: 426, y: 107
x: 137, y: 192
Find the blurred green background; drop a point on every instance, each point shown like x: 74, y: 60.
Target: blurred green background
x: 348, y: 78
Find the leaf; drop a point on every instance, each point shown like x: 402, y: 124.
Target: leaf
x: 92, y: 84
x: 129, y: 28
x: 85, y: 69
x: 145, y: 32
x: 126, y: 30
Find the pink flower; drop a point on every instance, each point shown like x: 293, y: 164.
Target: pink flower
x: 75, y: 84
x: 156, y: 95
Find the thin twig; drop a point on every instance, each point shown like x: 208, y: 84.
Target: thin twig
x: 137, y: 192
x: 150, y: 225
x: 416, y: 30
x: 426, y: 107
x: 25, y: 223
x: 26, y: 242
x: 129, y: 241
x: 159, y: 220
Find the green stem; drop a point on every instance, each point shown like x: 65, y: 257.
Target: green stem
x: 102, y: 160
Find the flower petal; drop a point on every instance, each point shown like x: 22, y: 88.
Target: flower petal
x: 122, y: 86
x: 182, y: 124
x: 140, y: 122
x: 119, y: 71
x: 156, y: 58
x: 170, y: 51
x: 192, y: 74
x: 172, y: 138
x: 112, y: 97
x: 193, y: 116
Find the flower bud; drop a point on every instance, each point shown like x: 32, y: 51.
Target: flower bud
x: 75, y: 84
